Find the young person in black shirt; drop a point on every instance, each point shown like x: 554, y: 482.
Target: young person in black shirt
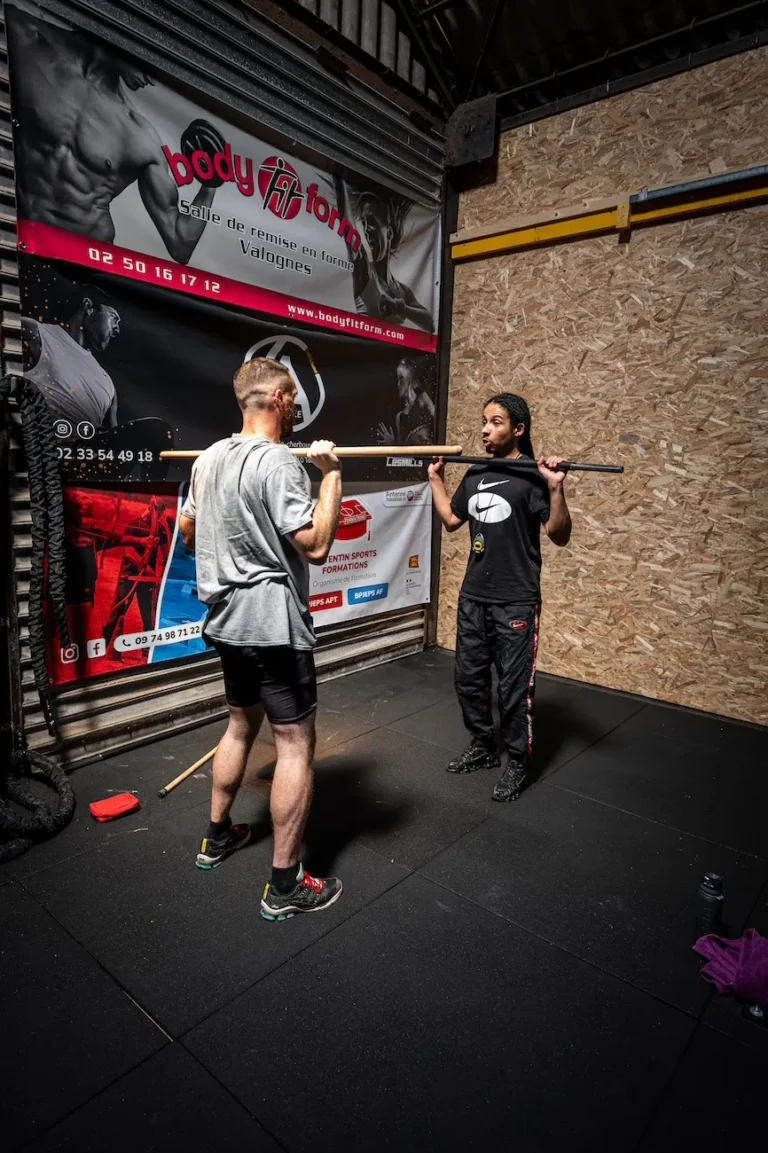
x: 500, y: 599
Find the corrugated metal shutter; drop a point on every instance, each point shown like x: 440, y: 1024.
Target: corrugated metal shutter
x: 265, y: 79
x: 99, y: 718
x: 272, y: 83
x: 15, y: 571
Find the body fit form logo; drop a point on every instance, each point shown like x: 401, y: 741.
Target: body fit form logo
x: 277, y: 180
x: 282, y: 194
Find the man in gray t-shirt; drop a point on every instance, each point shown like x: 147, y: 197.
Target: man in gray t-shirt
x: 254, y: 530
x: 247, y: 496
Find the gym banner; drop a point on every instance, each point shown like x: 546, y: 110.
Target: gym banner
x: 116, y: 171
x: 129, y: 369
x: 380, y: 559
x: 131, y: 590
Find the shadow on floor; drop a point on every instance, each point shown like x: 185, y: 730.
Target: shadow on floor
x: 347, y: 804
x: 560, y: 730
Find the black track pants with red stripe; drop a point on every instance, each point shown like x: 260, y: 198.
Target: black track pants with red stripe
x: 506, y: 636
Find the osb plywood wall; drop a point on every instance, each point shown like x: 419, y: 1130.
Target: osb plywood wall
x: 654, y: 355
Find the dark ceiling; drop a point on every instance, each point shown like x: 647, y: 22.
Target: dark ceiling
x: 538, y: 57
x: 537, y: 54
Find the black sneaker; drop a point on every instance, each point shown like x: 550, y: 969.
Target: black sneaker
x: 311, y: 895
x: 476, y: 757
x: 511, y: 782
x: 212, y: 853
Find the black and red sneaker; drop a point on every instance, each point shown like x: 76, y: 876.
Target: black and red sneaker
x: 311, y: 895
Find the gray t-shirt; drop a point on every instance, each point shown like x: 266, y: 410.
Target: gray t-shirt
x: 245, y: 496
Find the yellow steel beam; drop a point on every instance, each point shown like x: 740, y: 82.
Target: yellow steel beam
x: 558, y: 230
x: 622, y: 218
x: 645, y: 213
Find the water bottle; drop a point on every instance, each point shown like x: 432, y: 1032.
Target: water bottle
x: 709, y: 905
x: 756, y: 1014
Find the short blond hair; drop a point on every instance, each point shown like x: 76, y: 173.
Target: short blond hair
x: 257, y: 380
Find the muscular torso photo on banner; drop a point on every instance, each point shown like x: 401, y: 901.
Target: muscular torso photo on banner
x: 80, y: 133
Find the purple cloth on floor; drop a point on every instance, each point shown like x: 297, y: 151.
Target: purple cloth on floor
x: 739, y: 967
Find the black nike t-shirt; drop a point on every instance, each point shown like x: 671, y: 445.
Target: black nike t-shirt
x: 505, y: 511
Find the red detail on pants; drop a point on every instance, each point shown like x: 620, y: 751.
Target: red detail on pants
x: 529, y: 689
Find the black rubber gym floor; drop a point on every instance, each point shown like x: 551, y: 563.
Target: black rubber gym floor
x: 495, y: 977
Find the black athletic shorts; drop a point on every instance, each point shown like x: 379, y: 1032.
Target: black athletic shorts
x: 280, y: 678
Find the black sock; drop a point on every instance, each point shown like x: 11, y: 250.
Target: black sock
x: 217, y: 830
x: 284, y: 880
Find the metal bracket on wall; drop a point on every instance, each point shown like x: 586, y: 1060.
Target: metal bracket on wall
x: 620, y: 213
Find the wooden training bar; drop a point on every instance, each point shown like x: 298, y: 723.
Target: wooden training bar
x: 375, y: 450
x: 187, y: 773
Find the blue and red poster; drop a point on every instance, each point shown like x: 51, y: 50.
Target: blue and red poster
x: 131, y: 591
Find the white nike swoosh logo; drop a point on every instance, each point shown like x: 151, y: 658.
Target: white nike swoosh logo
x: 491, y: 484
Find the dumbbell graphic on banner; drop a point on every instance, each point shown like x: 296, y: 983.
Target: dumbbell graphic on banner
x: 207, y: 157
x: 203, y: 145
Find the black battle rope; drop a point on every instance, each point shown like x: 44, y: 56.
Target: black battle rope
x: 48, y: 541
x: 19, y: 831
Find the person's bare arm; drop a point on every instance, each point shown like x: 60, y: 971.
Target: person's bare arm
x: 440, y: 498
x: 558, y: 527
x: 427, y: 405
x: 314, y: 540
x: 110, y: 417
x: 406, y: 307
x: 187, y: 530
x: 30, y: 336
x: 361, y: 273
x: 415, y: 312
x: 179, y: 232
x: 29, y: 24
x: 139, y: 539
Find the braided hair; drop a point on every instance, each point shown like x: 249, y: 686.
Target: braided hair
x: 519, y: 413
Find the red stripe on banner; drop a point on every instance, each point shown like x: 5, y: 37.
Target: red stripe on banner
x: 44, y: 240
